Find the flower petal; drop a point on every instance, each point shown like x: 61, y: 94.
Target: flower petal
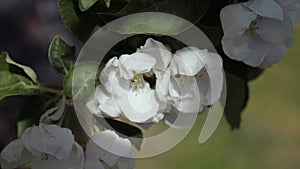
x: 274, y: 56
x: 52, y: 140
x: 236, y: 20
x: 266, y: 8
x: 185, y: 94
x: 74, y: 161
x: 104, y: 144
x: 236, y: 48
x: 214, y: 78
x: 187, y: 61
x: 136, y: 63
x: 14, y: 155
x: 275, y: 30
x: 139, y: 105
x: 111, y: 80
x: 106, y: 102
x: 159, y: 52
x: 259, y: 49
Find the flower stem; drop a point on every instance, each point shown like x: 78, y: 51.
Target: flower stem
x: 50, y: 90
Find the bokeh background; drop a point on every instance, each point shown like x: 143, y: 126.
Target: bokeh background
x: 269, y: 136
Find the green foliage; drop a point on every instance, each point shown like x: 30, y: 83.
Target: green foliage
x: 13, y: 84
x: 236, y: 101
x: 95, y: 14
x: 86, y: 4
x: 6, y: 63
x: 61, y: 55
x: 81, y: 80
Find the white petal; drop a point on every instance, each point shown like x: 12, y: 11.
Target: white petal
x: 106, y: 102
x: 185, y: 94
x: 14, y: 155
x: 139, y: 105
x: 92, y: 106
x: 103, y: 144
x: 236, y: 48
x: 55, y: 113
x: 292, y: 8
x: 31, y: 138
x: 247, y: 48
x: 236, y: 20
x: 214, y: 68
x: 274, y: 56
x: 111, y: 80
x: 159, y: 52
x: 275, y: 30
x: 162, y: 85
x: 259, y: 49
x: 135, y: 63
x: 266, y: 8
x: 74, y: 161
x: 187, y: 61
x: 52, y: 140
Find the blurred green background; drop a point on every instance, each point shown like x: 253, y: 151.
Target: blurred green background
x: 269, y: 137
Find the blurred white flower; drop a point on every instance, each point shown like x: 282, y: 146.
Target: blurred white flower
x: 257, y: 32
x: 292, y: 8
x: 107, y: 150
x: 44, y: 146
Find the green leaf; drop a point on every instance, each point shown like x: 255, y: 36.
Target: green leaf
x: 237, y: 97
x: 133, y: 133
x: 84, y: 24
x: 81, y: 80
x: 61, y: 55
x: 12, y: 84
x: 3, y: 64
x: 24, y: 124
x: 107, y: 3
x: 86, y: 4
x: 29, y: 72
x: 158, y: 23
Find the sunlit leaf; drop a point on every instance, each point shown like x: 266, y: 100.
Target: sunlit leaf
x: 29, y: 72
x: 81, y: 80
x: 12, y: 84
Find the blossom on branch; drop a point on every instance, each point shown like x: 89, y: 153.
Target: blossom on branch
x: 258, y: 32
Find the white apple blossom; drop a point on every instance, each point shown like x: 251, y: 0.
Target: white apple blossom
x: 101, y: 148
x: 44, y: 146
x: 196, y: 82
x: 123, y: 89
x: 258, y: 32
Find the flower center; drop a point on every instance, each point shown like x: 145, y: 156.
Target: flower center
x: 137, y: 82
x: 253, y: 27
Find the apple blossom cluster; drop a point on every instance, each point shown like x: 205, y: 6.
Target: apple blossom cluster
x: 258, y: 32
x: 50, y: 146
x: 185, y: 82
